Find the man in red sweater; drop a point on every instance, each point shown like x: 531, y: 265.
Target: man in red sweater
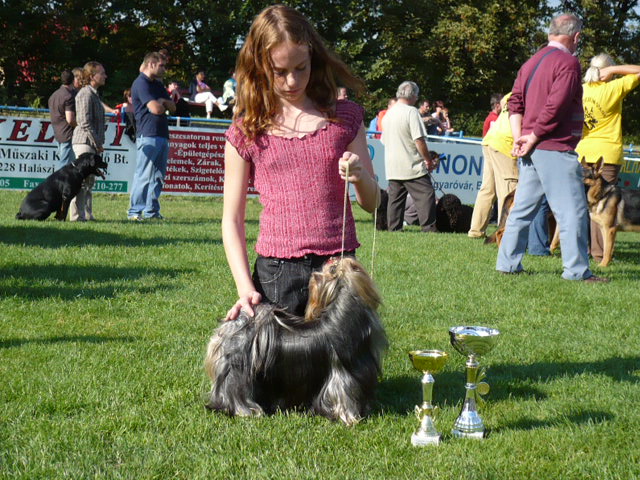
x: 546, y: 122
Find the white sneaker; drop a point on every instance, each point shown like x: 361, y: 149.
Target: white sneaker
x: 222, y: 107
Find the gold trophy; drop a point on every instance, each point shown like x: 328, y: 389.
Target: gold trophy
x: 473, y: 342
x: 428, y: 362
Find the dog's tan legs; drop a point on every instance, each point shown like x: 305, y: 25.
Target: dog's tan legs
x: 555, y: 243
x: 608, y: 240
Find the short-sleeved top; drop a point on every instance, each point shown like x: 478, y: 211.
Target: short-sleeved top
x: 149, y: 124
x: 401, y: 127
x: 499, y: 136
x: 602, y: 130
x: 61, y: 101
x: 492, y: 117
x: 300, y: 187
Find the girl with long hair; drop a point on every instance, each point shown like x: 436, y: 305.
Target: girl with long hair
x: 297, y: 142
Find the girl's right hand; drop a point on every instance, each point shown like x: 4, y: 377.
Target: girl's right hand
x: 244, y: 303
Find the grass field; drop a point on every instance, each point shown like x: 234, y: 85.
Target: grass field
x: 103, y: 327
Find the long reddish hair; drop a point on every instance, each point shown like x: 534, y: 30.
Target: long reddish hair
x: 256, y: 101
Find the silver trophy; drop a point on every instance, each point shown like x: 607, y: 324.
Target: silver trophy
x: 428, y: 362
x: 473, y: 342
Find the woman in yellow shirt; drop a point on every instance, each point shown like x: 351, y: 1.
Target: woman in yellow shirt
x: 602, y: 132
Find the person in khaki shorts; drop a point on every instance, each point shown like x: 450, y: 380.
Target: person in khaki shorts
x: 500, y: 172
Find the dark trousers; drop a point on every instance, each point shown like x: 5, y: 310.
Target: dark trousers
x: 285, y: 281
x: 424, y: 197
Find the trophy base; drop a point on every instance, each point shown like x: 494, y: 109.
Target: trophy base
x: 420, y: 439
x: 460, y: 434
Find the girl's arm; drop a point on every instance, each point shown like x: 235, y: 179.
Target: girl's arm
x: 236, y: 179
x: 361, y: 172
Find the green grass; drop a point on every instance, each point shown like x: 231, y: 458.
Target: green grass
x: 103, y: 328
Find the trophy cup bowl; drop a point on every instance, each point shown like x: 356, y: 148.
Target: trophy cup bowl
x: 476, y: 341
x: 428, y: 362
x: 472, y: 342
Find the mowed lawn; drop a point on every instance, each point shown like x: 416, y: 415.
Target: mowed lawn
x: 103, y: 328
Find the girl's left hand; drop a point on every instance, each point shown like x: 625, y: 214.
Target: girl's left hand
x: 355, y: 167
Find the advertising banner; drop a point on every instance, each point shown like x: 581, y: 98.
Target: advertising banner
x: 29, y: 153
x: 459, y: 173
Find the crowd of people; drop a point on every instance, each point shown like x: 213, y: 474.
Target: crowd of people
x: 78, y: 120
x: 304, y: 123
x: 436, y: 121
x: 299, y: 137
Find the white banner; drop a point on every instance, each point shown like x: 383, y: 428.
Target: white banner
x: 459, y: 173
x: 29, y: 154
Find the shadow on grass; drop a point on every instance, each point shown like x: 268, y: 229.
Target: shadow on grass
x: 587, y: 417
x: 400, y: 394
x: 627, y: 252
x: 34, y: 234
x: 19, y: 342
x: 75, y: 282
x: 616, y: 368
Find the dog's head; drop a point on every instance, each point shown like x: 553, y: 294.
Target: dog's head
x: 92, y: 164
x: 591, y: 172
x: 335, y: 275
x: 436, y: 158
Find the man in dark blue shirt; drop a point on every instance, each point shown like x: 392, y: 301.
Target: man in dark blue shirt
x: 151, y: 101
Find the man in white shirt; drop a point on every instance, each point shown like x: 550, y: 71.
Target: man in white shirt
x: 407, y: 161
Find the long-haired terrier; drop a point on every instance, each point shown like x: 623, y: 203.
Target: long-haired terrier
x: 327, y: 361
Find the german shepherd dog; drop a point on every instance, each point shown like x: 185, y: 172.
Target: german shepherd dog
x: 507, y: 205
x: 59, y: 188
x: 611, y: 207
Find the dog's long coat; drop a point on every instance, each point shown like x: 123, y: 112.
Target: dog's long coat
x: 329, y: 363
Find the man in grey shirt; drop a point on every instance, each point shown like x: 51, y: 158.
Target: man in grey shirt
x: 407, y: 161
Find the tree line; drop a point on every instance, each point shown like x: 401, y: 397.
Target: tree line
x: 457, y: 51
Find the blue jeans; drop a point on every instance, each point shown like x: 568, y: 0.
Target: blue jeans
x: 285, y: 281
x: 151, y: 167
x: 65, y: 152
x: 539, y: 243
x: 558, y: 175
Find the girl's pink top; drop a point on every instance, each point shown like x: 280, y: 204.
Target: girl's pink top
x: 300, y: 187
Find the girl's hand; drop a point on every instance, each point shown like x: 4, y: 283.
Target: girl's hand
x: 244, y: 303
x: 355, y: 167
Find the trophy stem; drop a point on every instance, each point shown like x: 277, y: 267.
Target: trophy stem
x: 469, y: 424
x: 427, y: 433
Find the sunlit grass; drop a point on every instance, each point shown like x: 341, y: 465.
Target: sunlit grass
x: 103, y: 327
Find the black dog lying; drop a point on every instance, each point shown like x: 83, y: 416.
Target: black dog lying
x: 59, y: 188
x: 452, y: 216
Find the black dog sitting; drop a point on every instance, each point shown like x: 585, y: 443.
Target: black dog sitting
x: 452, y: 216
x: 59, y: 188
